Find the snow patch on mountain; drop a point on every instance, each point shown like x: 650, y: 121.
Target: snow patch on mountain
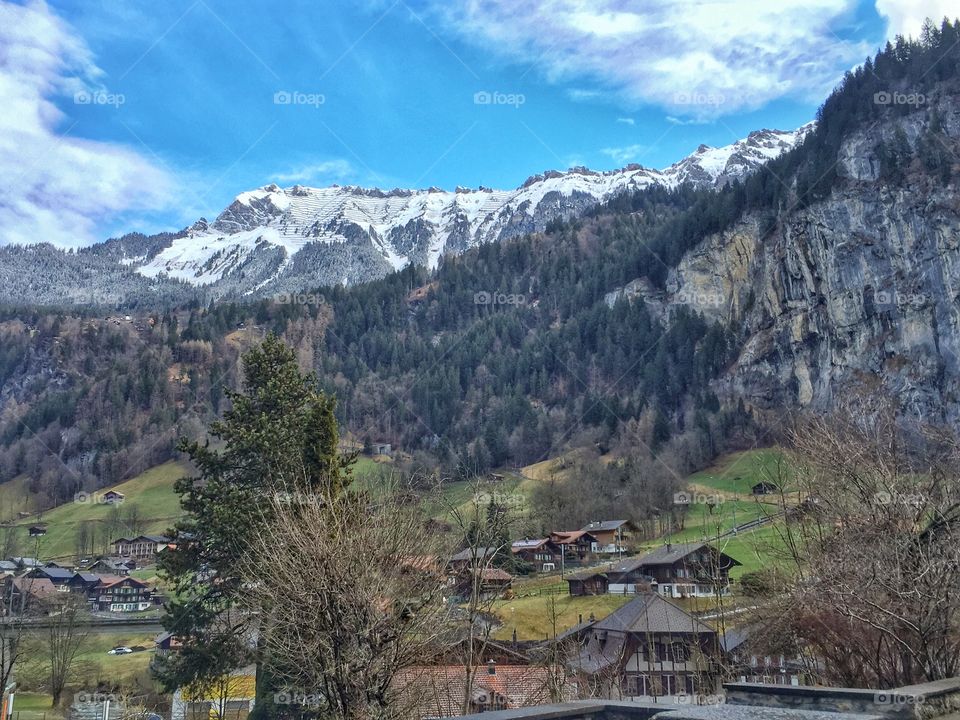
x: 420, y: 226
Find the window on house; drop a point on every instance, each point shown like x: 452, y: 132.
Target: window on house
x: 680, y: 652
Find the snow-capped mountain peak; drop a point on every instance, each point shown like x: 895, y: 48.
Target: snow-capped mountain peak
x: 275, y: 239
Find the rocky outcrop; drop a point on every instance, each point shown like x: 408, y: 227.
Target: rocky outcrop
x: 858, y: 292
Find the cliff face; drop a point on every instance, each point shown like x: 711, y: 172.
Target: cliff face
x: 857, y: 292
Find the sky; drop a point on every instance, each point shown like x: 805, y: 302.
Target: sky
x: 123, y: 115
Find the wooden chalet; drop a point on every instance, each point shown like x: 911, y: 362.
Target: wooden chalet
x: 646, y: 649
x: 575, y: 544
x: 590, y: 581
x: 610, y: 536
x: 688, y: 569
x: 542, y: 554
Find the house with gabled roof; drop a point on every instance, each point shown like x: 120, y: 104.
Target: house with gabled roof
x: 28, y: 595
x: 113, y: 497
x: 589, y: 581
x: 112, y: 566
x: 540, y: 553
x: 142, y: 546
x: 610, y: 536
x: 60, y: 577
x: 622, y: 578
x: 574, y: 544
x: 647, y: 648
x: 688, y: 569
x: 121, y: 594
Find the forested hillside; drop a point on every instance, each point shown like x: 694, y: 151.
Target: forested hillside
x: 517, y: 350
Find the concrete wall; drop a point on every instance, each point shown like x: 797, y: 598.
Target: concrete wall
x: 577, y: 710
x: 916, y: 702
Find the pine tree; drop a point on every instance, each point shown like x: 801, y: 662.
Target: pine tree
x: 279, y: 437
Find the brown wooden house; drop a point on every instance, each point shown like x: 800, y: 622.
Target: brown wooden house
x: 626, y: 578
x: 542, y: 554
x: 648, y: 648
x: 688, y: 569
x: 575, y: 544
x: 610, y: 536
x: 591, y: 581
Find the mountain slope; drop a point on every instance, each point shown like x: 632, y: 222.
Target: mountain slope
x: 272, y: 240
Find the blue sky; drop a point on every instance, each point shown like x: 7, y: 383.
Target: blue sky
x: 134, y: 115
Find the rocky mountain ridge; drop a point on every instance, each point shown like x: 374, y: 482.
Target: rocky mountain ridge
x: 274, y: 240
x: 856, y: 295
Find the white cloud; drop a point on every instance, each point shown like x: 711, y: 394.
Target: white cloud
x: 59, y: 188
x: 320, y: 173
x: 696, y: 58
x: 624, y: 155
x: 626, y: 121
x: 684, y: 121
x: 905, y: 17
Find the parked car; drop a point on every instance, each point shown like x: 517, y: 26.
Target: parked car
x: 119, y: 651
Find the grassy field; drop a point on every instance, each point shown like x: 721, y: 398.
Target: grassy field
x: 34, y: 706
x: 531, y: 616
x: 15, y: 497
x: 122, y: 669
x: 728, y: 485
x: 735, y: 474
x: 757, y: 549
x: 151, y: 492
x: 92, y: 668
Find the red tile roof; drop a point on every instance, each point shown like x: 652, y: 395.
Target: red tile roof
x: 438, y: 691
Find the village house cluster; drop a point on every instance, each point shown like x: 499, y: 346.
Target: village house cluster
x: 31, y: 586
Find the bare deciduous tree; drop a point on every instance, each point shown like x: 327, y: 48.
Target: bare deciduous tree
x: 875, y: 548
x: 350, y: 592
x: 484, y: 523
x: 65, y: 633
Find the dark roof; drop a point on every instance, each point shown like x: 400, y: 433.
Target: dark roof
x: 26, y: 561
x: 604, y: 525
x: 650, y: 613
x: 56, y: 573
x: 88, y: 577
x: 734, y: 637
x: 626, y: 566
x: 669, y: 554
x: 586, y: 574
x: 480, y: 553
x: 156, y: 538
x: 601, y: 652
x: 151, y: 538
